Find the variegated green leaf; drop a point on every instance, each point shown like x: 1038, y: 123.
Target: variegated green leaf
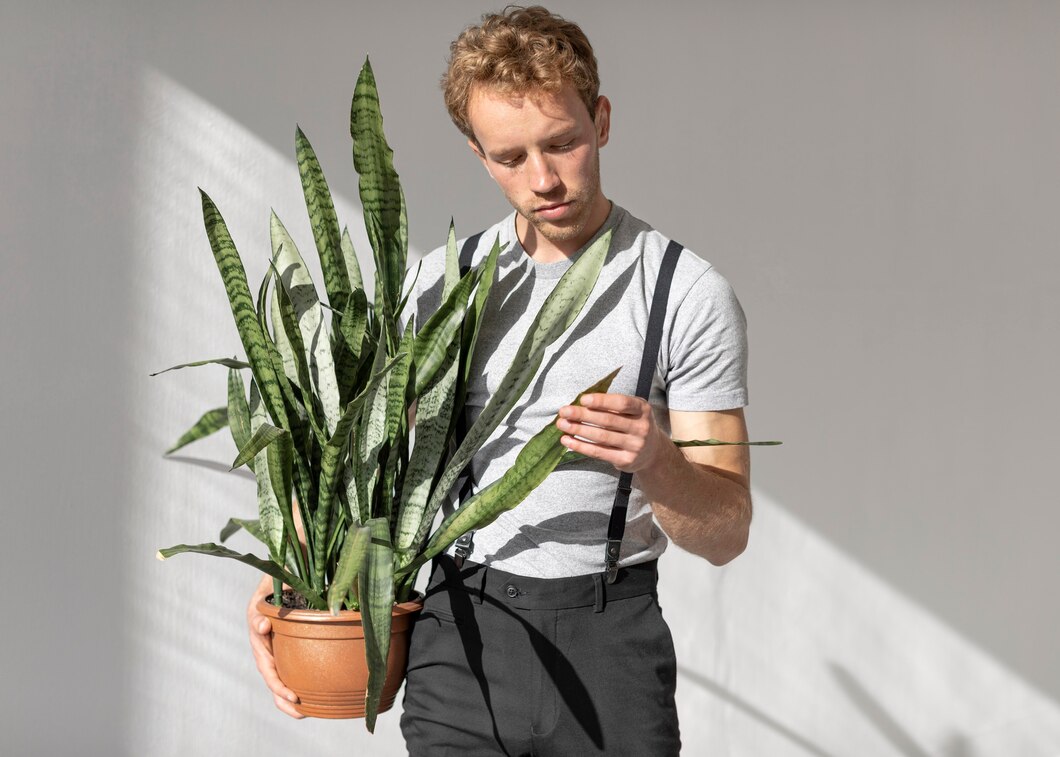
x: 538, y: 457
x: 289, y: 341
x: 332, y: 455
x: 299, y: 422
x: 270, y: 516
x: 441, y: 330
x: 238, y: 411
x: 265, y: 566
x: 211, y: 422
x: 252, y: 527
x: 376, y: 590
x: 433, y: 412
x: 351, y: 559
x: 473, y: 322
x: 349, y: 256
x: 557, y: 313
x: 280, y: 454
x: 324, y: 221
x: 234, y: 277
x: 225, y: 361
x: 355, y: 321
x: 396, y: 423
x: 380, y: 191
x: 264, y: 434
x: 452, y: 262
x: 372, y: 434
x: 299, y: 287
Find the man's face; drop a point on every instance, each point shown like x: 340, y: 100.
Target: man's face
x: 542, y: 149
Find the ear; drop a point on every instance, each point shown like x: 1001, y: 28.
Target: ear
x: 602, y: 120
x: 478, y: 152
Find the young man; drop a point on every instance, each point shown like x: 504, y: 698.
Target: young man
x: 529, y: 646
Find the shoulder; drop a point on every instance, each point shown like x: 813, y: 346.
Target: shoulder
x: 693, y: 275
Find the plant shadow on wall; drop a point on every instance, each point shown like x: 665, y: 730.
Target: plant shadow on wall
x: 345, y: 501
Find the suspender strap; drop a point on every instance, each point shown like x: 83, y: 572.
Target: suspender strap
x: 650, y: 358
x: 465, y: 544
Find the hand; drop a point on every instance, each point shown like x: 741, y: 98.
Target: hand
x: 616, y: 428
x: 261, y: 645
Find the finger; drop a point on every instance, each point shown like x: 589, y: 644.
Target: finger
x: 261, y: 646
x: 614, y: 421
x: 602, y: 436
x: 267, y: 669
x: 617, y: 457
x: 287, y: 708
x: 614, y: 403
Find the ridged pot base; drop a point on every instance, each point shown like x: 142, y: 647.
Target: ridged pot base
x: 320, y: 657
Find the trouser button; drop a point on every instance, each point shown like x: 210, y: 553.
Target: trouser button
x: 511, y: 591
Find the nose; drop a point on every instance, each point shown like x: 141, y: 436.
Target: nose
x: 543, y: 176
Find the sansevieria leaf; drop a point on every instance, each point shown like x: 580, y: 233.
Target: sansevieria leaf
x: 441, y: 329
x: 351, y: 560
x: 433, y: 412
x: 376, y: 583
x: 265, y: 566
x: 211, y: 422
x: 238, y: 411
x: 557, y: 313
x: 538, y: 457
x: 324, y: 221
x: 270, y: 517
x: 380, y: 191
x: 234, y: 277
x: 349, y: 256
x: 315, y: 338
x: 225, y: 361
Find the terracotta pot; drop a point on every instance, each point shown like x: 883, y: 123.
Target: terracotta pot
x: 321, y: 657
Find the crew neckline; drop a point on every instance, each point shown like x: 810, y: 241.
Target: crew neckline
x: 556, y: 269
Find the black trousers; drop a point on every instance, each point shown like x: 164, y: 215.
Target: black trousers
x: 507, y: 665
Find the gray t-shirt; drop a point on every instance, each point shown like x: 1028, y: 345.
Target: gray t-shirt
x: 561, y: 528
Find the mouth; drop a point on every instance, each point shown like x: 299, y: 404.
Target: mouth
x: 555, y: 210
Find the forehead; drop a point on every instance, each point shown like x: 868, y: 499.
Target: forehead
x: 501, y: 118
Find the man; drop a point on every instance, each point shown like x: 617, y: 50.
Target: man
x: 529, y: 646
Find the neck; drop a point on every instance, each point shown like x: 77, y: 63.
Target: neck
x: 545, y: 250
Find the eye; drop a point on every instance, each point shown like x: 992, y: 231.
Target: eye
x: 564, y: 147
x: 511, y: 162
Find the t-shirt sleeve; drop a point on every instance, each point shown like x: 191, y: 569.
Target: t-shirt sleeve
x: 707, y: 351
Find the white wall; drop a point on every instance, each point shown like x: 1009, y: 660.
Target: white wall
x: 879, y: 182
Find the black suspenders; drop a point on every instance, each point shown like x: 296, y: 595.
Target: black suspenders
x: 465, y: 544
x: 649, y: 359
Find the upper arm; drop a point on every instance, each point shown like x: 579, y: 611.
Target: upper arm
x: 733, y: 462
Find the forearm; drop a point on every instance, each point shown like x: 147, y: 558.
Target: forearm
x: 702, y: 510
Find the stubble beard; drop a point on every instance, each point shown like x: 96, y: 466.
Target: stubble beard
x: 573, y: 226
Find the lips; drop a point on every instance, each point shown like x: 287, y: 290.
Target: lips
x: 553, y: 211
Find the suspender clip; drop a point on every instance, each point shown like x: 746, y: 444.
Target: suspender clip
x: 611, y: 560
x: 464, y: 547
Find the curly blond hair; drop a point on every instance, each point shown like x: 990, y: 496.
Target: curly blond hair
x: 516, y: 51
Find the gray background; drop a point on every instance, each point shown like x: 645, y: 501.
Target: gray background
x: 879, y: 181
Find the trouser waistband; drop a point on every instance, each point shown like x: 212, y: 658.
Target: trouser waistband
x: 527, y: 593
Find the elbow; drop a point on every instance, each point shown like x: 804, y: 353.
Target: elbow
x: 733, y: 543
x: 724, y: 554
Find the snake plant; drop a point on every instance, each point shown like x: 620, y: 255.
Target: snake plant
x: 324, y: 424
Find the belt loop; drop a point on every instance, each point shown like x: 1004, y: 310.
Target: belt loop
x: 598, y: 584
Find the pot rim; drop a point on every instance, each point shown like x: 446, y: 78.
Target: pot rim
x: 270, y: 610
